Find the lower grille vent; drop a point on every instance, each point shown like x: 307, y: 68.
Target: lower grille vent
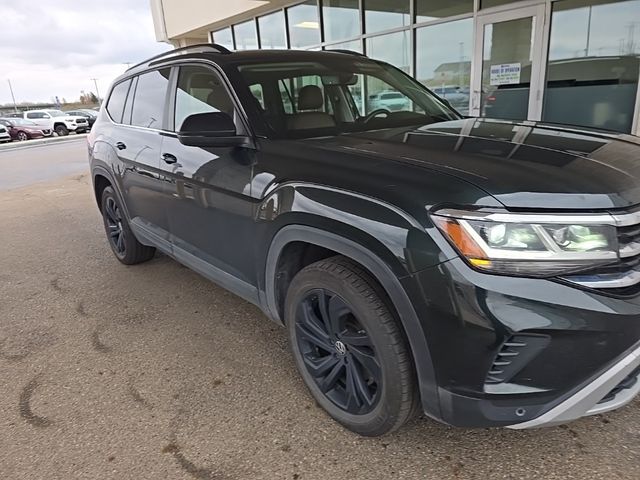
x: 514, y: 354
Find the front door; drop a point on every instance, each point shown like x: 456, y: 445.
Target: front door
x: 210, y: 215
x: 507, y: 77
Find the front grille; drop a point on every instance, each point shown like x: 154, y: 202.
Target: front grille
x: 623, y: 277
x: 81, y: 120
x: 514, y: 354
x: 628, y: 382
x: 46, y: 131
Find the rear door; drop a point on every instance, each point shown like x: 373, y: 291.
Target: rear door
x: 210, y: 213
x: 137, y: 139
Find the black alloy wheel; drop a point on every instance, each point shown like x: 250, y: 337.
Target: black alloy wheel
x: 349, y: 348
x: 122, y: 241
x: 115, y: 232
x: 338, y: 352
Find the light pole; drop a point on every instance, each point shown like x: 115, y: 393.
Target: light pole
x: 15, y: 105
x: 95, y: 82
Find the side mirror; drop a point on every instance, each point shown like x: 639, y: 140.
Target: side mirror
x: 213, y: 129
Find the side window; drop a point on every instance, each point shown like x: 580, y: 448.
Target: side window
x: 286, y: 95
x: 128, y: 106
x: 34, y: 115
x: 290, y: 92
x: 149, y: 99
x: 256, y: 90
x: 115, y: 104
x: 200, y: 90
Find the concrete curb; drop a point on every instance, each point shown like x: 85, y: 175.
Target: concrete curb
x: 40, y: 142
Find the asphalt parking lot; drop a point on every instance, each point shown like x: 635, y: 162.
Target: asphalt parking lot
x: 152, y: 372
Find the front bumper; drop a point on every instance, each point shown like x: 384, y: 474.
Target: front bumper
x: 613, y: 389
x: 565, y: 348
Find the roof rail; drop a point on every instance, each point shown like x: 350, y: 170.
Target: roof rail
x: 348, y: 52
x: 214, y: 47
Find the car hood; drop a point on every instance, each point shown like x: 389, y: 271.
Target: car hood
x: 523, y: 165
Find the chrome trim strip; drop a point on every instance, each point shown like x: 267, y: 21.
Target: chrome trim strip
x: 630, y: 250
x: 544, y: 218
x: 586, y: 399
x: 613, y: 280
x: 626, y: 219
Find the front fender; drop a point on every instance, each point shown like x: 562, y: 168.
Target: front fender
x: 382, y: 228
x: 385, y: 276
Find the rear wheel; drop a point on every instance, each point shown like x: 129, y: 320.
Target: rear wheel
x: 348, y: 347
x: 123, y: 243
x: 61, y: 130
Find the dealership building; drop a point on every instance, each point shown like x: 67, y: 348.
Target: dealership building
x: 562, y: 61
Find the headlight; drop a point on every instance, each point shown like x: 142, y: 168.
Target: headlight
x: 529, y: 244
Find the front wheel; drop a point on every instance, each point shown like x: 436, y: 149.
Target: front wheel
x: 349, y: 348
x: 61, y: 130
x: 123, y: 243
x: 22, y: 137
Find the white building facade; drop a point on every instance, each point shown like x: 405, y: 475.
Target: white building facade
x: 575, y: 62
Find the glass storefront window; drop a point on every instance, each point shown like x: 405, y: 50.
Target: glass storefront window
x: 508, y: 46
x: 393, y: 48
x: 443, y: 60
x: 354, y: 46
x: 594, y: 60
x: 304, y: 25
x: 246, y: 35
x: 494, y: 3
x: 272, y: 33
x: 385, y: 14
x: 223, y: 37
x: 341, y: 19
x: 427, y: 10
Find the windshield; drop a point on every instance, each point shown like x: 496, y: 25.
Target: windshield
x: 340, y: 94
x: 56, y: 113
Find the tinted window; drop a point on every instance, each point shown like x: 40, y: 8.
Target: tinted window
x: 126, y: 118
x: 200, y: 90
x: 35, y: 115
x: 149, y: 100
x: 115, y: 105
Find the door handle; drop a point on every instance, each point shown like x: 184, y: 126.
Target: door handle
x: 120, y: 146
x: 169, y: 158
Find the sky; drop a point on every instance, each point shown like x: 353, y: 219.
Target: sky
x: 55, y: 48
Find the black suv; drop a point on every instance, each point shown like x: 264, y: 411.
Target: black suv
x: 484, y: 272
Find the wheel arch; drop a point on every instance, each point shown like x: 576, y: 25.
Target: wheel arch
x: 102, y: 178
x: 383, y: 274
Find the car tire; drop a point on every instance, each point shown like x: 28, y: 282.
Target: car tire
x: 122, y: 241
x: 61, y: 130
x: 349, y: 348
x: 22, y: 137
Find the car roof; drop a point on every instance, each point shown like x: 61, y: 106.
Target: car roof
x: 222, y: 56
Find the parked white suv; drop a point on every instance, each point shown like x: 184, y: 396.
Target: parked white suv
x: 57, y: 121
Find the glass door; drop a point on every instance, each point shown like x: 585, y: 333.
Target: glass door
x: 507, y: 76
